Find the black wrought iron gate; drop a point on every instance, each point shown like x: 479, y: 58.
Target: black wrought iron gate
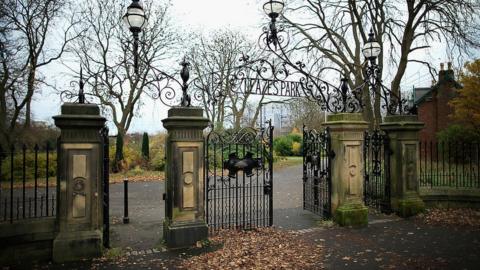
x: 239, y: 178
x: 317, y: 181
x: 106, y: 188
x: 376, y: 154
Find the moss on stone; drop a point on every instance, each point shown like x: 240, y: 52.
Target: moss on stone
x: 351, y: 215
x: 410, y: 207
x: 345, y: 117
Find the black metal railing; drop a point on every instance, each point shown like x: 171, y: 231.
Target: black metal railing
x: 449, y: 165
x: 106, y: 187
x: 239, y: 179
x: 317, y: 179
x: 27, y: 180
x: 376, y: 185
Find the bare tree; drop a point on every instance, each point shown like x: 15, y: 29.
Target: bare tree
x: 215, y: 63
x: 106, y: 56
x: 33, y: 35
x: 306, y: 112
x: 335, y: 31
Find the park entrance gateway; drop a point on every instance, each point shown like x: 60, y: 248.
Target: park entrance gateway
x: 239, y: 178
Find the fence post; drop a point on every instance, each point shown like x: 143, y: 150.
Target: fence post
x: 79, y: 183
x: 184, y: 205
x: 126, y: 219
x: 347, y: 204
x: 404, y: 181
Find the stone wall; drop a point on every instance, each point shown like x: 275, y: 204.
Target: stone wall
x: 27, y: 240
x: 451, y: 197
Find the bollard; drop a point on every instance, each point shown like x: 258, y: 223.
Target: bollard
x: 126, y: 219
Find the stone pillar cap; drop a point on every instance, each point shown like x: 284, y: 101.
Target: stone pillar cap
x: 401, y: 122
x: 75, y: 114
x: 185, y: 117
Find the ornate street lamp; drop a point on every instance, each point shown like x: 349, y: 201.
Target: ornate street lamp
x: 371, y: 50
x: 393, y: 103
x: 273, y: 8
x: 135, y: 20
x: 329, y: 97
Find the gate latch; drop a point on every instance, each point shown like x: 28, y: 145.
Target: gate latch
x: 164, y: 196
x: 267, y: 190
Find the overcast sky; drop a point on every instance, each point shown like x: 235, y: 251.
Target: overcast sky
x: 204, y: 16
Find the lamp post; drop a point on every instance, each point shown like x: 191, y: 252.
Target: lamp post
x: 135, y: 20
x: 273, y: 8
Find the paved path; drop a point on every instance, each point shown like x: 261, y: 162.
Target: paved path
x: 394, y: 243
x: 147, y: 209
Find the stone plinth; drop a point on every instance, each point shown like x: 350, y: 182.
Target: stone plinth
x: 184, y: 207
x: 403, y: 133
x: 79, y: 183
x: 347, y: 133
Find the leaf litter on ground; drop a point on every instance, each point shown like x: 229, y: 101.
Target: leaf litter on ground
x: 263, y: 248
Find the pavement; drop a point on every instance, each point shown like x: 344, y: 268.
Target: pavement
x: 388, y: 242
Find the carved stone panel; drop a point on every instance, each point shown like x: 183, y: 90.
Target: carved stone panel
x: 79, y: 166
x: 410, y: 167
x: 353, y: 174
x: 187, y: 174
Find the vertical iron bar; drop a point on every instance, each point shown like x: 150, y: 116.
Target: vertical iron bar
x: 1, y: 165
x: 206, y: 179
x: 126, y: 219
x: 41, y: 206
x: 24, y: 150
x: 11, y: 183
x: 436, y: 163
x: 46, y: 177
x: 215, y: 191
x: 106, y: 189
x: 270, y: 167
x: 443, y: 163
x: 18, y: 206
x: 236, y: 192
x: 244, y: 211
x: 36, y: 181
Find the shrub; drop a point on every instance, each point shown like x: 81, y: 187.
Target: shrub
x: 295, y: 137
x: 289, y: 145
x: 297, y: 148
x: 158, y: 161
x: 283, y: 146
x: 458, y: 134
x: 29, y: 166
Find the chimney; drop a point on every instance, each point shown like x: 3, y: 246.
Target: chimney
x: 446, y: 76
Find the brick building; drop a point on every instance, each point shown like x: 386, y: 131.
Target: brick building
x: 432, y: 103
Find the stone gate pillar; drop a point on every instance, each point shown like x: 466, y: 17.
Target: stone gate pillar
x: 184, y: 223
x: 347, y: 132
x: 79, y: 183
x: 403, y: 133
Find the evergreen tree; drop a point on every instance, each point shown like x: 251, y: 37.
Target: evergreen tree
x: 145, y: 147
x: 118, y: 153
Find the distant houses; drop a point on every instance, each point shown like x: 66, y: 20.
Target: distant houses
x: 432, y: 103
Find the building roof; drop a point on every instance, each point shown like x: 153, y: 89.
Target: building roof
x: 445, y: 76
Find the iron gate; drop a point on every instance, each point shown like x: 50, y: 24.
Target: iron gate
x: 239, y: 178
x: 106, y: 192
x: 376, y: 154
x: 317, y: 181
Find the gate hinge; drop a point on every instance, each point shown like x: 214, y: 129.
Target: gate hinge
x: 164, y: 196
